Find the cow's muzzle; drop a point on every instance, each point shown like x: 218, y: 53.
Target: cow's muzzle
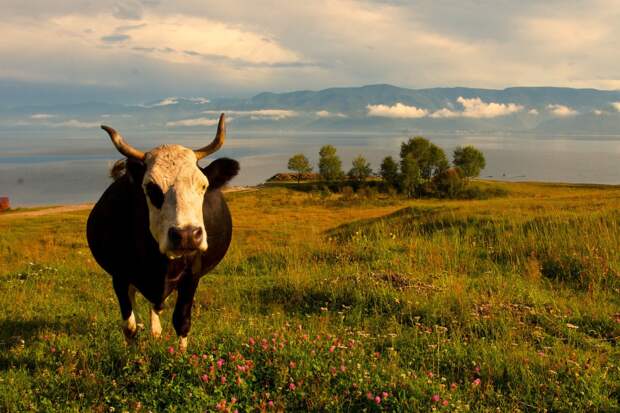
x: 185, y: 240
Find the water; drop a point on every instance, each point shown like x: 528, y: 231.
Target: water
x: 62, y: 167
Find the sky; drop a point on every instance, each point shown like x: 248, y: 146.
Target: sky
x: 139, y: 50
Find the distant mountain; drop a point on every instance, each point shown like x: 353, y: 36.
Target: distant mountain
x: 542, y: 110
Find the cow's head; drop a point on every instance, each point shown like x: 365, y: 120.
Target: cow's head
x: 174, y: 187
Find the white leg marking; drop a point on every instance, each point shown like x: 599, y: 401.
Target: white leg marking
x: 182, y: 344
x: 155, y: 324
x: 132, y: 297
x: 130, y: 326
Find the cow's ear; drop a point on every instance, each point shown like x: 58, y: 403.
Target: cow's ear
x: 135, y: 170
x: 220, y: 171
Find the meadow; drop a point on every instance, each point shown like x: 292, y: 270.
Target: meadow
x: 332, y: 302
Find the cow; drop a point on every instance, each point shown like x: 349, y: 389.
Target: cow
x: 160, y: 226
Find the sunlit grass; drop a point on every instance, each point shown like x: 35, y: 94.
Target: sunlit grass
x: 336, y: 303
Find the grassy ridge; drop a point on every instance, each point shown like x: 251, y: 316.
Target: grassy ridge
x: 335, y: 303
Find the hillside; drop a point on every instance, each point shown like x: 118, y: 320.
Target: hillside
x: 542, y: 110
x: 336, y: 303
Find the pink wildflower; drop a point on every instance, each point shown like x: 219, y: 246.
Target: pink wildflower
x: 343, y: 368
x: 332, y: 348
x: 171, y: 350
x: 223, y: 379
x: 270, y: 403
x: 53, y: 349
x: 477, y: 369
x: 204, y: 378
x: 430, y: 374
x: 435, y: 398
x: 453, y: 386
x: 369, y: 396
x: 292, y: 364
x: 385, y: 395
x: 220, y: 362
x: 445, y: 403
x: 476, y: 382
x: 292, y: 386
x: 377, y: 399
x: 252, y: 341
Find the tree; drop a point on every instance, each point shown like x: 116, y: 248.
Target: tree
x: 449, y: 183
x: 389, y: 171
x: 361, y: 169
x: 330, y: 165
x: 300, y: 164
x: 470, y: 160
x: 431, y: 159
x: 410, y: 175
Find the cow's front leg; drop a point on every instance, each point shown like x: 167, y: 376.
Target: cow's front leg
x: 182, y: 316
x: 122, y: 290
x: 155, y: 323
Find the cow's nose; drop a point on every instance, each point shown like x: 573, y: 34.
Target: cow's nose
x: 197, y: 236
x: 185, y: 238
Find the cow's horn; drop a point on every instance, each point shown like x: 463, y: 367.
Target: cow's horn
x: 217, y: 142
x: 122, y: 146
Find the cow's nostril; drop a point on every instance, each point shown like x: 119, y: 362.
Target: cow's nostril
x: 175, y: 236
x: 197, y: 235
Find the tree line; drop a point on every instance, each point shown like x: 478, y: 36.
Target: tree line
x: 423, y: 168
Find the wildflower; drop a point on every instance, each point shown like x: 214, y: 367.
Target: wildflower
x: 435, y: 398
x: 171, y: 350
x: 343, y: 368
x: 377, y: 399
x: 369, y: 396
x: 385, y: 395
x: 292, y: 364
x: 453, y: 386
x: 252, y: 341
x: 220, y: 362
x: 477, y: 369
x: 223, y: 379
x: 204, y: 356
x: 270, y: 403
x: 204, y: 378
x: 53, y: 349
x: 476, y: 382
x: 332, y: 348
x: 292, y: 386
x: 445, y: 403
x: 430, y: 374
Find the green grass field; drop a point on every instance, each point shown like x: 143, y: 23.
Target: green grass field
x: 332, y: 303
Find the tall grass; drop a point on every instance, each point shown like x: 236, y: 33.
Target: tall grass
x: 331, y: 302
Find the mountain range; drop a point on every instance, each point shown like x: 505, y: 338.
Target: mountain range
x: 540, y: 110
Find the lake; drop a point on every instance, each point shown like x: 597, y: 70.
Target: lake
x: 62, y: 167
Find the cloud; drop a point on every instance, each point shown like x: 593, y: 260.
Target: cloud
x: 274, y: 114
x: 115, y: 38
x: 193, y: 122
x: 41, y: 116
x: 533, y: 112
x: 398, y: 110
x: 561, y: 110
x: 74, y: 123
x: 327, y: 114
x: 478, y: 109
x: 616, y: 105
x: 165, y: 102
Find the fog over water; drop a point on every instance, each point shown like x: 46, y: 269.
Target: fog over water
x: 62, y: 167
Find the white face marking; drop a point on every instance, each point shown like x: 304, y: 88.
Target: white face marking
x: 174, y: 169
x: 155, y: 324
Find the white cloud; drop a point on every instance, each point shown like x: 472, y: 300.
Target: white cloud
x: 478, y: 109
x: 74, y: 123
x: 201, y: 101
x: 398, y: 110
x: 274, y: 114
x: 561, y: 110
x: 598, y: 112
x: 616, y: 105
x: 328, y: 114
x: 193, y: 122
x: 166, y: 102
x: 41, y: 116
x: 533, y: 112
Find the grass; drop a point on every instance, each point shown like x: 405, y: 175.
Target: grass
x: 336, y: 303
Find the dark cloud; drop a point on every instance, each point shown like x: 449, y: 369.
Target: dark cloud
x: 128, y: 10
x: 115, y: 38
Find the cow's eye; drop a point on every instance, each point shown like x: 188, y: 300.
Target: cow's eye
x: 155, y: 194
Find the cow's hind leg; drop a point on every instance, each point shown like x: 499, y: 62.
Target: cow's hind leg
x: 121, y: 288
x: 182, y: 316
